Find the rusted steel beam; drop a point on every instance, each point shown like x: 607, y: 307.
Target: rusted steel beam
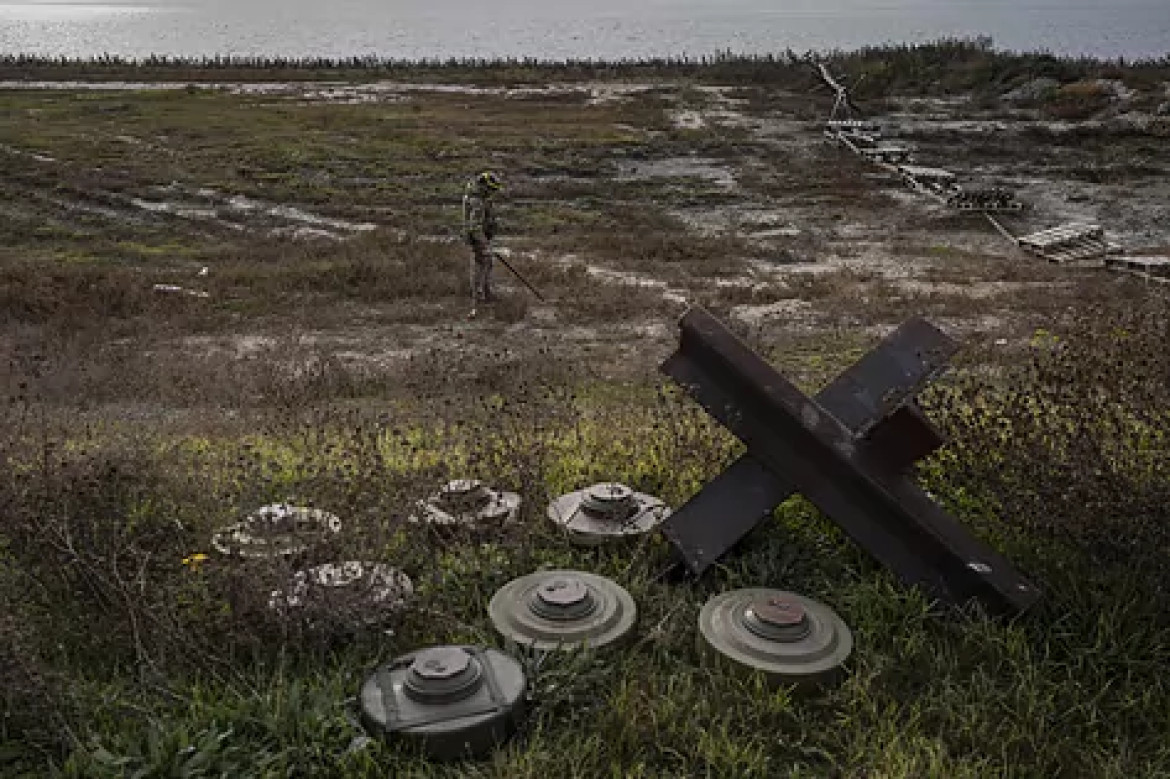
x: 727, y: 508
x: 889, y: 376
x: 805, y: 448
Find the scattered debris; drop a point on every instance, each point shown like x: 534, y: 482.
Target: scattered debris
x: 939, y: 183
x: 984, y: 198
x: 865, y: 127
x: 886, y: 153
x: 1152, y: 268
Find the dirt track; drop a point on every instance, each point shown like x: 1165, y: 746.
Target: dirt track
x: 790, y: 236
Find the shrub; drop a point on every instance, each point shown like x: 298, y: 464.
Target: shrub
x: 1078, y: 100
x: 1075, y: 446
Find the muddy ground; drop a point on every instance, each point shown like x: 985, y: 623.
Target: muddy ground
x: 240, y: 226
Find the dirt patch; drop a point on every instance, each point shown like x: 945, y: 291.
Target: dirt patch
x: 694, y: 167
x: 625, y: 203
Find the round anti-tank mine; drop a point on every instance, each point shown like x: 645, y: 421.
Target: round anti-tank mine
x: 355, y: 592
x: 791, y: 639
x: 451, y: 702
x: 468, y: 503
x: 276, y: 530
x: 606, y: 511
x: 563, y: 610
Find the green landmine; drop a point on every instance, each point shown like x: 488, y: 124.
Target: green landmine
x: 562, y: 610
x: 451, y: 702
x: 789, y: 639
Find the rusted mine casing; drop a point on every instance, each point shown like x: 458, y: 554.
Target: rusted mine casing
x: 276, y: 530
x: 606, y: 512
x: 467, y: 503
x: 360, y: 593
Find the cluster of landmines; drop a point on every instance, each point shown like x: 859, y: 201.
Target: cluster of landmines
x: 462, y: 701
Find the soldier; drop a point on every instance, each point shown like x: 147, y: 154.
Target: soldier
x: 479, y: 225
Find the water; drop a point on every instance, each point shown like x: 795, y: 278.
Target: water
x: 561, y: 29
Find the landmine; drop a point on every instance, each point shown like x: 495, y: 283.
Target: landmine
x: 790, y: 639
x: 1074, y: 242
x: 276, y: 530
x: 451, y: 702
x: 563, y: 610
x: 468, y: 502
x: 606, y: 511
x: 360, y: 593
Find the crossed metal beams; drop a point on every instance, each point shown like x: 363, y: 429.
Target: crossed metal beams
x: 846, y: 450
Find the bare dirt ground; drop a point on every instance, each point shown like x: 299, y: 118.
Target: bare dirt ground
x: 626, y: 202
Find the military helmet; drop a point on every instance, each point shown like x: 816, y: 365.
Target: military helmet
x: 489, y: 180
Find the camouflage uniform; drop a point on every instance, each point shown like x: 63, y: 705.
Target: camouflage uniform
x: 479, y: 225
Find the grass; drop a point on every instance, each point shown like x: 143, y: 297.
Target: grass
x: 928, y: 690
x: 341, y: 372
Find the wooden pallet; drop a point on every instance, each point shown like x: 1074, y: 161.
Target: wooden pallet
x: 1152, y: 268
x: 985, y: 199
x: 1075, y: 242
x: 854, y: 125
x: 886, y: 153
x: 935, y: 182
